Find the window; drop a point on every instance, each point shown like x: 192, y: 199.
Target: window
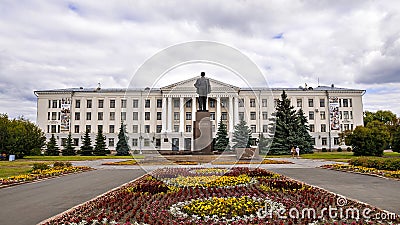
x: 100, y: 127
x: 54, y: 115
x: 322, y: 114
x: 350, y: 102
x: 135, y: 103
x: 158, y: 142
x: 112, y: 115
x: 101, y: 103
x: 89, y: 103
x: 59, y: 115
x: 213, y: 128
x: 265, y: 128
x: 63, y: 141
x: 159, y: 115
x: 189, y: 103
x: 253, y: 128
x: 147, y: 103
x: 146, y: 142
x: 123, y: 103
x: 100, y: 116
x: 212, y: 103
x: 176, y: 128
x: 135, y: 116
x: 53, y: 128
x: 264, y: 103
x: 76, y: 142
x: 76, y: 129
x: 147, y: 128
x: 77, y: 115
x: 351, y: 126
x: 123, y: 115
x: 111, y: 142
x: 112, y: 103
x: 323, y: 127
x: 241, y: 102
x: 158, y: 128
x: 346, y: 115
x: 176, y: 103
x: 252, y: 115
x: 299, y: 102
x: 111, y: 129
x: 224, y: 115
x: 265, y: 115
x: 324, y: 141
x: 311, y: 115
x: 322, y: 102
x: 55, y: 104
x: 77, y: 103
x: 88, y: 116
x: 134, y: 142
x: 159, y: 103
x: 340, y: 115
x: 89, y: 128
x: 345, y: 103
x: 312, y: 128
x: 346, y: 127
x: 241, y: 115
x: 147, y: 115
x: 252, y: 102
x: 176, y: 115
x: 351, y: 114
x: 314, y: 142
x: 310, y: 102
x: 188, y: 128
x: 135, y: 129
x: 188, y: 115
x: 336, y: 141
x: 212, y: 115
x: 276, y: 102
x: 48, y: 115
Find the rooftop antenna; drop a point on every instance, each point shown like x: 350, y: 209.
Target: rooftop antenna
x: 98, y: 86
x: 318, y: 81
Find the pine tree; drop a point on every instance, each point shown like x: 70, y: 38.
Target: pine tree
x: 263, y: 144
x: 242, y: 135
x: 100, y: 147
x: 122, y: 145
x: 86, y: 148
x: 304, y: 139
x: 68, y: 148
x: 52, y: 148
x: 221, y: 140
x: 286, y: 123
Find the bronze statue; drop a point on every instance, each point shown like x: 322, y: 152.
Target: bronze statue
x: 203, y: 89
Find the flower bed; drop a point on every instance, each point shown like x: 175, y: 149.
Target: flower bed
x: 364, y: 170
x: 391, y: 164
x: 40, y: 174
x: 264, y: 161
x: 152, y: 200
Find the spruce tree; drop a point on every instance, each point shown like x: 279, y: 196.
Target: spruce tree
x: 286, y: 123
x: 86, y: 148
x: 304, y: 139
x: 122, y: 145
x: 68, y: 148
x: 52, y: 148
x: 100, y: 147
x: 242, y: 135
x: 221, y: 140
x: 263, y: 144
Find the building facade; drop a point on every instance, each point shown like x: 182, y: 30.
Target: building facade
x: 162, y: 118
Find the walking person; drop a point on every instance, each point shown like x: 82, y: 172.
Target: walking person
x: 297, y: 151
x: 292, y: 151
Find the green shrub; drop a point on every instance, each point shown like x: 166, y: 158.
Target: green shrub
x: 324, y: 150
x: 349, y: 149
x: 40, y: 166
x: 58, y: 164
x: 392, y: 164
x: 68, y: 164
x: 339, y: 149
x: 35, y: 152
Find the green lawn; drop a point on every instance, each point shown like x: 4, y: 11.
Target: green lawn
x: 14, y: 168
x: 79, y: 158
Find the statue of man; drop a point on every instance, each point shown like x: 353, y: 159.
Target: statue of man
x: 203, y: 89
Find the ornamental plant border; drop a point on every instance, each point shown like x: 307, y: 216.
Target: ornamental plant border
x: 385, y: 174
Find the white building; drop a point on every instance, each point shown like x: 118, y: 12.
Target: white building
x: 162, y: 118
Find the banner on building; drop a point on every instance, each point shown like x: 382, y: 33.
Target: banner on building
x: 334, y: 113
x: 65, y: 114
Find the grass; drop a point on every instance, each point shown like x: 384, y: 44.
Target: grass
x: 14, y: 168
x: 79, y: 158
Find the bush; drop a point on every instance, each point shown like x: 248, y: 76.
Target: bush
x: 349, y: 149
x: 58, y: 164
x: 68, y: 164
x: 324, y: 150
x: 35, y: 152
x: 40, y: 166
x: 392, y: 164
x: 339, y: 149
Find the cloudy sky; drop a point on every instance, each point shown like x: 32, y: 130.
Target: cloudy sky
x: 60, y: 44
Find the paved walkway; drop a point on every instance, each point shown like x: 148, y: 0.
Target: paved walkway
x: 32, y: 203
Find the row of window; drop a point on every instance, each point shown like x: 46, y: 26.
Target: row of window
x: 323, y: 127
x: 342, y: 115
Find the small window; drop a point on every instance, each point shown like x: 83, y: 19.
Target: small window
x: 189, y: 103
x: 123, y: 103
x: 265, y: 128
x: 176, y: 115
x: 112, y: 103
x: 135, y: 103
x: 252, y: 115
x: 322, y: 102
x: 241, y: 115
x: 224, y: 116
x: 147, y: 115
x: 101, y: 103
x: 89, y: 103
x: 212, y: 115
x: 241, y: 102
x: 147, y: 128
x: 55, y: 104
x: 88, y: 116
x: 252, y: 102
x: 311, y: 115
x: 76, y: 142
x: 89, y: 128
x: 324, y: 141
x: 111, y: 129
x: 135, y: 129
x: 188, y: 115
x: 112, y: 115
x: 299, y: 102
x: 345, y: 102
x: 310, y: 102
x: 54, y: 115
x: 76, y: 129
x: 134, y: 142
x: 264, y: 103
x: 123, y: 115
x: 188, y: 128
x: 77, y: 103
x: 322, y: 114
x: 158, y: 128
x: 323, y: 127
x: 146, y: 142
x: 100, y: 116
x: 100, y: 128
x: 159, y: 103
x: 135, y: 116
x: 111, y: 142
x: 159, y: 115
x: 176, y: 103
x: 312, y: 128
x: 176, y: 128
x: 253, y: 128
x: 265, y: 115
x: 212, y: 103
x: 336, y: 141
x: 147, y: 103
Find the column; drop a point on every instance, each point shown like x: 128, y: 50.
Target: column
x: 230, y: 112
x: 194, y: 109
x: 208, y: 99
x: 181, y: 115
x: 164, y: 115
x: 170, y: 119
x: 218, y: 113
x: 236, y: 110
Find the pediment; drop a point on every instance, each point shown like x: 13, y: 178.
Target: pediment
x: 187, y: 86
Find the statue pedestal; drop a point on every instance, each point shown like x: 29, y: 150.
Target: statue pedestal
x: 247, y: 153
x: 202, y: 134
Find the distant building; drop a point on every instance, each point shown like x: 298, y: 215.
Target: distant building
x: 163, y: 118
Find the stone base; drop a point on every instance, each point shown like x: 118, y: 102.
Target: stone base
x: 202, y: 134
x: 247, y: 153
